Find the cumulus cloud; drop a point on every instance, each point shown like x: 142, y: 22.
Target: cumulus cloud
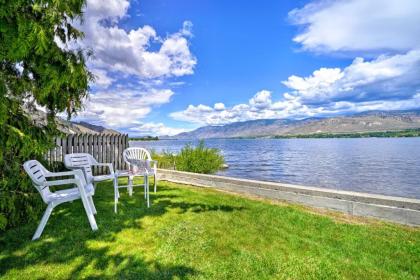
x: 128, y: 52
x: 358, y: 25
x: 385, y: 83
x: 261, y: 100
x: 156, y: 129
x: 219, y: 106
x: 259, y: 106
x: 135, y: 69
x: 384, y: 78
x: 124, y: 108
x: 102, y: 78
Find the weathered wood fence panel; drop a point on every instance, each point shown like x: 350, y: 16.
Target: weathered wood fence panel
x: 103, y: 147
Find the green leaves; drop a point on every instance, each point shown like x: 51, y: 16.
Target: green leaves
x: 34, y: 68
x: 200, y: 159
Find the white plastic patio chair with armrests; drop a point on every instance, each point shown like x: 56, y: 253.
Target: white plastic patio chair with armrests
x: 85, y: 162
x: 83, y: 191
x: 139, y: 165
x: 136, y: 153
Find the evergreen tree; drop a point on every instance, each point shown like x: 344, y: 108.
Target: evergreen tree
x: 37, y: 66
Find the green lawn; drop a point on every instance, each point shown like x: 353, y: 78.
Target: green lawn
x: 194, y: 233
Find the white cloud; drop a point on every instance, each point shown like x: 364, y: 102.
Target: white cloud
x: 317, y: 85
x: 123, y: 108
x: 385, y: 83
x: 219, y: 106
x: 132, y: 66
x: 261, y: 100
x: 102, y: 79
x: 129, y: 52
x: 358, y: 25
x: 387, y: 77
x: 155, y: 129
x: 259, y: 106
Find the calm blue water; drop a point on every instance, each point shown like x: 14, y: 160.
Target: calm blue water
x: 389, y: 166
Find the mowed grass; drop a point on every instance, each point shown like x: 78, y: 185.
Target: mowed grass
x: 196, y: 233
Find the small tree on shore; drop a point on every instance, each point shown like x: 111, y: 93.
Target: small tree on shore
x: 36, y: 67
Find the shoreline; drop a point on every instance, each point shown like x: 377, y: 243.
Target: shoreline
x: 408, y: 133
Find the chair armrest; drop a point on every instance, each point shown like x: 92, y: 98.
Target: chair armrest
x: 74, y: 172
x: 77, y: 173
x: 109, y: 165
x: 62, y: 182
x: 78, y: 179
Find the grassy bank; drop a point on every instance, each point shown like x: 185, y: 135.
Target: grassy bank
x: 193, y: 233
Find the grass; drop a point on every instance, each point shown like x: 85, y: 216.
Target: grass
x: 195, y: 233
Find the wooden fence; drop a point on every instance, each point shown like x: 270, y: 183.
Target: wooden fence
x: 104, y: 148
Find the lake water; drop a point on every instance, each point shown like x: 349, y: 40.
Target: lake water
x: 389, y: 166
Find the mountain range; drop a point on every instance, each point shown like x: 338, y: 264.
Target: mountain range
x: 69, y: 127
x: 373, y: 121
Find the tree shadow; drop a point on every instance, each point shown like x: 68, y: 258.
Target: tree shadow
x: 99, y: 262
x: 67, y: 236
x: 194, y: 207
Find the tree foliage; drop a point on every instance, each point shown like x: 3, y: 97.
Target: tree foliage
x: 39, y: 65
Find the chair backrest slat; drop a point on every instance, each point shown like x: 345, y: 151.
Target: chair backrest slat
x: 135, y: 153
x: 80, y: 160
x: 37, y: 172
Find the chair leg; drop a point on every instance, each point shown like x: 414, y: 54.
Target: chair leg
x: 89, y: 212
x: 115, y: 203
x: 144, y: 185
x: 146, y: 178
x: 92, y: 206
x: 43, y: 222
x: 130, y: 185
x: 116, y: 194
x: 154, y: 176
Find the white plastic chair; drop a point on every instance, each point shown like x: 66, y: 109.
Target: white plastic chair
x: 85, y: 162
x: 83, y: 191
x: 135, y: 153
x: 139, y: 165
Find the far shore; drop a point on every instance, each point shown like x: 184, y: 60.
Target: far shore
x: 374, y: 134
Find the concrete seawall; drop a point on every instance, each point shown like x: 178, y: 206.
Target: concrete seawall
x: 395, y: 209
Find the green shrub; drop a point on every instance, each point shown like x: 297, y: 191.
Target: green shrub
x: 166, y: 160
x: 200, y: 159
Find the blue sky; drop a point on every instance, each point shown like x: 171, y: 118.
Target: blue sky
x: 164, y: 67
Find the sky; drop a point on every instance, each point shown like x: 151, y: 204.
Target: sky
x: 163, y: 66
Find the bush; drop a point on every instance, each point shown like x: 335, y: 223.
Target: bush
x: 166, y: 160
x: 200, y: 159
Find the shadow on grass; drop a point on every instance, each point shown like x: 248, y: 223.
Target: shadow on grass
x: 101, y: 263
x: 67, y: 239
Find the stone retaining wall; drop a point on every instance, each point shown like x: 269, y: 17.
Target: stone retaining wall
x: 390, y: 208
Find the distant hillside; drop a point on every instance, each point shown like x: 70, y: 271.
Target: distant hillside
x: 84, y: 127
x: 69, y: 127
x: 374, y: 121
